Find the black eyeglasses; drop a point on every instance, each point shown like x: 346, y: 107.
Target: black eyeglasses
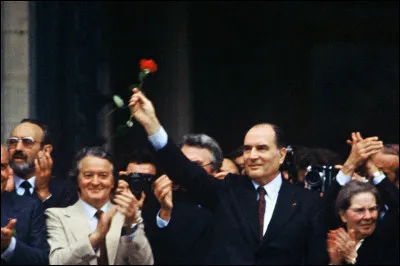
x: 28, y: 142
x: 201, y: 165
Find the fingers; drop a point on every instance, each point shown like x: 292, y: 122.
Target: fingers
x: 123, y: 173
x: 352, y: 234
x: 141, y: 201
x: 11, y: 224
x: 221, y: 175
x: 338, y: 166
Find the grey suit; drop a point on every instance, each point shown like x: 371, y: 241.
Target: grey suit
x: 68, y: 231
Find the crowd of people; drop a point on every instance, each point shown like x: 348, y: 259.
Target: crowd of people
x: 187, y: 203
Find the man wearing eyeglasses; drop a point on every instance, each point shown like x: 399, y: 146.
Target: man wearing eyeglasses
x: 30, y: 147
x: 183, y: 225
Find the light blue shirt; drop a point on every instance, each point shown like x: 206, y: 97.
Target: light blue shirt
x: 20, y: 190
x: 271, y: 196
x: 90, y: 212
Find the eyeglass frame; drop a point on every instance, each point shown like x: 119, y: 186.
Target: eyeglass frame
x: 363, y: 211
x: 204, y: 165
x: 29, y: 146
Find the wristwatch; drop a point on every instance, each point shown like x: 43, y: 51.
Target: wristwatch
x: 377, y: 174
x: 128, y: 231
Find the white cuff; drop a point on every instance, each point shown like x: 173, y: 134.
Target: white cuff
x: 342, y: 179
x: 160, y: 222
x: 159, y: 139
x: 378, y: 177
x: 9, y: 252
x: 47, y: 198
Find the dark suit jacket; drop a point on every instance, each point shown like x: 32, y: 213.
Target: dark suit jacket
x: 382, y: 247
x: 31, y: 246
x: 63, y: 194
x: 185, y: 239
x: 295, y: 234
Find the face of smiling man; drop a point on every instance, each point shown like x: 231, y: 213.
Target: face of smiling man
x: 95, y: 180
x: 262, y: 157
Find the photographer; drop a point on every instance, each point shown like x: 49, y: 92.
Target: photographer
x: 104, y: 226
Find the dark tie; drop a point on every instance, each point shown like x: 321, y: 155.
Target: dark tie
x: 103, y: 259
x: 261, y: 211
x: 26, y: 185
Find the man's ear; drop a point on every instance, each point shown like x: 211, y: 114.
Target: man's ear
x: 282, y: 153
x: 48, y: 148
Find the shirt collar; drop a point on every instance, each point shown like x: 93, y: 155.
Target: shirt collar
x: 18, y: 181
x: 273, y: 187
x: 90, y: 211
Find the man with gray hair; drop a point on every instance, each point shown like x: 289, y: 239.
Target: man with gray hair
x: 183, y: 233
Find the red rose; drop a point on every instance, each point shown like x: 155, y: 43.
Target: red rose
x: 148, y: 64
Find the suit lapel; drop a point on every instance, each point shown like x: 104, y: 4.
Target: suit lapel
x: 247, y: 201
x: 6, y: 206
x: 285, y: 207
x: 113, y: 237
x: 77, y: 220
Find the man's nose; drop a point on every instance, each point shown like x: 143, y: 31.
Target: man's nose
x: 253, y: 153
x: 19, y: 146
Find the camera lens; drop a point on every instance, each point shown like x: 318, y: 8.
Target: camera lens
x: 313, y: 178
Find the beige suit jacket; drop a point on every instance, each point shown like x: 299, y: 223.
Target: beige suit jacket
x: 68, y: 236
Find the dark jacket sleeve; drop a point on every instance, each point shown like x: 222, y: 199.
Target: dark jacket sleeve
x: 34, y: 250
x: 389, y: 194
x: 63, y: 194
x: 200, y: 185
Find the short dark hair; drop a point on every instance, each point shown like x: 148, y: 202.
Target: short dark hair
x: 279, y: 136
x: 354, y: 187
x: 206, y: 142
x: 142, y: 156
x: 46, y: 133
x: 236, y: 153
x: 391, y: 148
x: 94, y: 152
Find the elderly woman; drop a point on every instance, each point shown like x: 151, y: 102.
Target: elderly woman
x: 358, y: 206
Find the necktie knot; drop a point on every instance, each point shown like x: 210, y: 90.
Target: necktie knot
x: 98, y: 214
x: 26, y: 185
x: 261, y: 191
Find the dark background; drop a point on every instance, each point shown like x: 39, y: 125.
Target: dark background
x: 318, y: 69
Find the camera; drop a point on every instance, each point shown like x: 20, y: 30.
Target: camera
x: 139, y: 182
x: 319, y: 177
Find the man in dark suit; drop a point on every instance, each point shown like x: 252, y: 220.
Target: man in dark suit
x: 30, y: 147
x: 23, y: 230
x: 259, y: 218
x: 183, y: 224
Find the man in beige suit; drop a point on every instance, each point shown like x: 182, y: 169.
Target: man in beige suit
x: 95, y: 231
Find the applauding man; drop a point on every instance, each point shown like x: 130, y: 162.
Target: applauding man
x: 30, y: 150
x: 94, y: 230
x: 23, y: 231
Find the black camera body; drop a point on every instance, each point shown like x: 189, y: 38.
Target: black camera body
x: 319, y: 177
x: 139, y: 182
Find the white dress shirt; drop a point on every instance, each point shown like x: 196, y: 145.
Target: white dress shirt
x: 272, y: 189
